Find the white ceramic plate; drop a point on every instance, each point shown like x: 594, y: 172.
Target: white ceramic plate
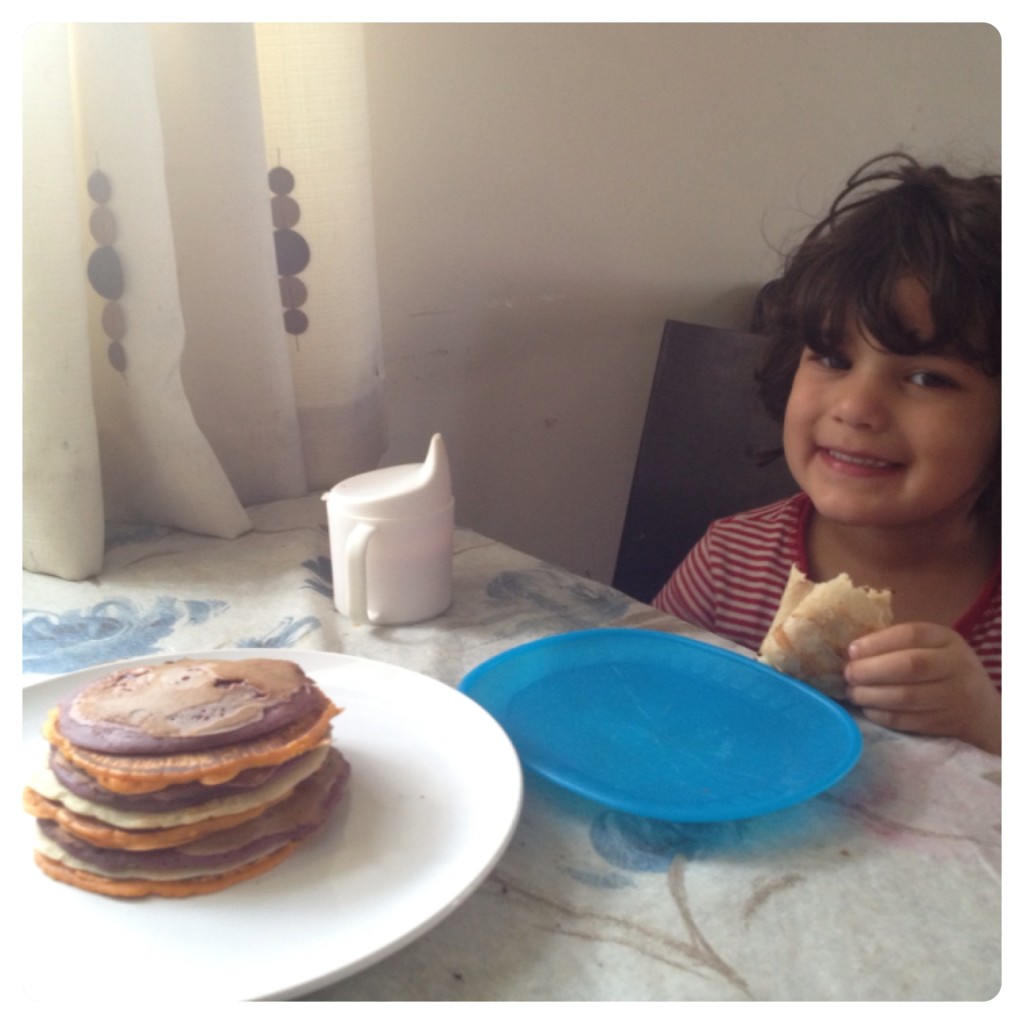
x: 433, y: 799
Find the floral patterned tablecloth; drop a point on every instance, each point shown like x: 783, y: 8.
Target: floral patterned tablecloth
x: 886, y: 887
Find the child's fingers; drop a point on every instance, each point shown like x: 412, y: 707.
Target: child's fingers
x: 923, y: 678
x: 915, y: 697
x: 902, y: 666
x: 901, y: 637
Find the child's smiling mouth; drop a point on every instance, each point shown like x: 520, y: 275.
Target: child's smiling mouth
x: 857, y: 463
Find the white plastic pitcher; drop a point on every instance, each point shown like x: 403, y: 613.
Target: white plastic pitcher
x: 391, y: 536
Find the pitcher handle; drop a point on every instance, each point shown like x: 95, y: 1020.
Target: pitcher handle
x: 355, y: 564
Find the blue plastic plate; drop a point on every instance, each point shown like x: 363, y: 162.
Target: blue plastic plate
x: 663, y: 726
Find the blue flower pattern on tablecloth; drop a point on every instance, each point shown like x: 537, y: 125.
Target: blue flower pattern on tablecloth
x: 576, y: 602
x: 108, y: 631
x: 323, y: 580
x: 287, y: 634
x: 633, y: 843
x: 647, y: 844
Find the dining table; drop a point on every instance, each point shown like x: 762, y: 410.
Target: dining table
x: 884, y: 886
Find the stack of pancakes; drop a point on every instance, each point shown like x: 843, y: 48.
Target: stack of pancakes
x: 184, y: 777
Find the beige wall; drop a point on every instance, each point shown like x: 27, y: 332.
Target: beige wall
x: 548, y: 195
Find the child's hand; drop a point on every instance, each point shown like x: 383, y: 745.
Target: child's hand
x: 924, y: 678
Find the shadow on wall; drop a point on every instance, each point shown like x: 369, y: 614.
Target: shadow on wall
x: 545, y: 408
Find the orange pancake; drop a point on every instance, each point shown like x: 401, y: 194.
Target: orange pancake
x: 135, y: 887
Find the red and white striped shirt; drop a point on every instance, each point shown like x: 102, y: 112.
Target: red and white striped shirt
x: 732, y: 581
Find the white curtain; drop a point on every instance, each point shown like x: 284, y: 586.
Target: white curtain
x: 201, y: 329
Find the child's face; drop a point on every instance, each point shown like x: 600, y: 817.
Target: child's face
x: 880, y: 439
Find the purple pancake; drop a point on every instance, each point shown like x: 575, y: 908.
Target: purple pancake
x: 292, y: 819
x: 187, y: 705
x: 172, y: 798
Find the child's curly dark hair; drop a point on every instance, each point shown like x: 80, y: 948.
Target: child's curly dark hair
x: 893, y: 218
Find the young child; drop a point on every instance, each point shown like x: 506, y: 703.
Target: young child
x: 885, y: 371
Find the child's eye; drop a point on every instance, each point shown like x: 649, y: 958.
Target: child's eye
x: 931, y: 379
x: 829, y: 360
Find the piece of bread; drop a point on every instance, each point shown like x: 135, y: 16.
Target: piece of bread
x: 816, y: 623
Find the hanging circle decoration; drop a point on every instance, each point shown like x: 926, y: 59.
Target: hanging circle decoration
x: 290, y: 248
x: 104, y: 270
